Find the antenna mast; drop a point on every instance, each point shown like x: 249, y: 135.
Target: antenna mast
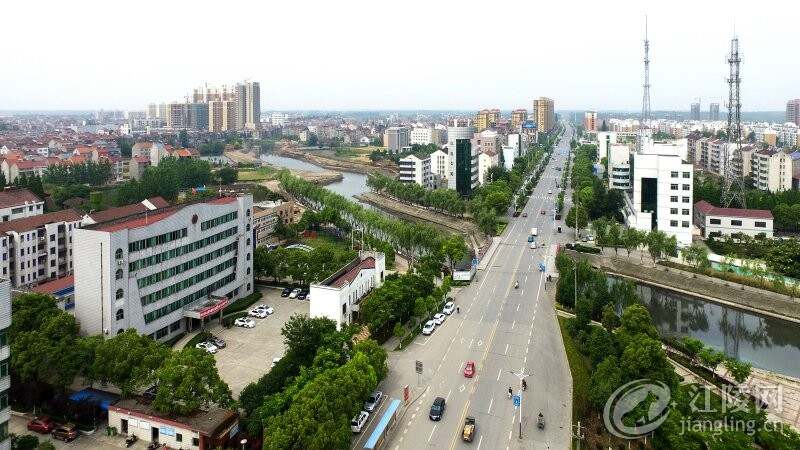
x: 733, y: 186
x: 646, y: 95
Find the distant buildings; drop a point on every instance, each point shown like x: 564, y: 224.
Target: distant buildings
x: 713, y: 111
x: 695, y: 111
x: 427, y: 136
x: 486, y: 118
x: 772, y: 170
x: 440, y: 164
x: 518, y: 117
x: 212, y: 109
x: 395, y: 139
x: 486, y: 160
x: 590, y: 120
x: 544, y: 114
x: 793, y: 111
x: 279, y: 119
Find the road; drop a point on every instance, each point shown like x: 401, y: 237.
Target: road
x: 506, y: 331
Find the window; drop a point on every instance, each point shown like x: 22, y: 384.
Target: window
x: 248, y: 271
x: 178, y: 437
x: 673, y: 223
x: 761, y: 224
x: 120, y: 293
x: 673, y: 187
x: 118, y: 275
x: 4, y: 368
x: 118, y: 254
x: 3, y: 400
x: 685, y: 224
x: 162, y: 332
x: 248, y: 241
x: 687, y: 174
x: 686, y: 187
x: 196, y: 441
x: 248, y: 286
x: 248, y: 256
x: 685, y: 212
x: 120, y: 314
x: 52, y: 238
x: 674, y: 198
x: 673, y: 174
x: 3, y: 337
x: 716, y: 222
x: 673, y: 210
x: 344, y: 308
x: 247, y: 213
x: 175, y: 326
x: 685, y: 199
x: 736, y: 223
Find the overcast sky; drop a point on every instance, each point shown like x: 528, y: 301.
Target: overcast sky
x: 433, y: 54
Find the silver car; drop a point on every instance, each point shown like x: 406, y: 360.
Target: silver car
x: 427, y: 330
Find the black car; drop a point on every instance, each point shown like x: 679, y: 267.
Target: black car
x: 437, y: 409
x: 302, y: 295
x: 286, y: 292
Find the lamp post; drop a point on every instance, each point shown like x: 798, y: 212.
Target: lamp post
x: 243, y: 442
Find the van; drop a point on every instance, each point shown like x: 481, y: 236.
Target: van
x: 534, y: 231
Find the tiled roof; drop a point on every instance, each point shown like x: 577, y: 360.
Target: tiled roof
x: 59, y: 284
x: 137, y: 222
x: 32, y: 223
x: 17, y: 196
x: 127, y: 210
x: 352, y: 273
x: 708, y: 209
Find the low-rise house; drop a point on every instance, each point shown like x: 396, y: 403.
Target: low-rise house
x: 62, y: 289
x: 713, y: 220
x: 18, y: 203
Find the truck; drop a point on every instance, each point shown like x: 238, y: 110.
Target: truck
x: 468, y: 433
x: 534, y: 231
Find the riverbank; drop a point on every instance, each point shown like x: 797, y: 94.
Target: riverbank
x: 420, y: 214
x: 331, y: 163
x: 712, y: 289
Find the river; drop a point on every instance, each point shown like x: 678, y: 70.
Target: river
x: 766, y: 342
x: 350, y: 185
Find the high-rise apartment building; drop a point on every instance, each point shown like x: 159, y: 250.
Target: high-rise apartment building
x: 590, y: 121
x: 695, y: 111
x: 713, y: 111
x: 252, y: 105
x: 178, y: 115
x: 793, y: 111
x: 518, y: 117
x: 462, y: 174
x: 486, y: 118
x: 241, y: 106
x: 544, y: 114
x: 198, y: 116
x: 221, y: 116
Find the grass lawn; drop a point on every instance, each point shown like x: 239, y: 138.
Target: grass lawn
x: 260, y: 174
x: 500, y: 227
x: 326, y: 239
x: 579, y: 367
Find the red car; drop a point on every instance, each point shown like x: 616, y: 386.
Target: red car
x: 42, y: 425
x: 469, y: 369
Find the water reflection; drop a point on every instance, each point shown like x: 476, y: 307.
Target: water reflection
x: 766, y: 342
x: 350, y: 185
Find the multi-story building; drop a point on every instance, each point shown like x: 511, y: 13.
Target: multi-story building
x: 395, y: 139
x: 153, y: 151
x: 661, y: 190
x: 619, y: 167
x: 462, y: 172
x: 712, y: 220
x: 198, y: 116
x: 416, y: 169
x: 178, y: 115
x: 793, y: 111
x: 252, y: 108
x: 486, y: 118
x: 488, y: 140
x: 518, y: 117
x: 18, y: 203
x: 221, y: 115
x: 241, y: 106
x: 713, y: 111
x: 5, y: 364
x: 544, y: 114
x: 772, y: 170
x: 486, y: 160
x: 279, y: 119
x: 440, y: 163
x: 267, y: 215
x: 426, y: 136
x: 164, y: 272
x: 695, y: 111
x: 590, y: 120
x: 339, y: 296
x: 605, y: 139
x: 38, y: 248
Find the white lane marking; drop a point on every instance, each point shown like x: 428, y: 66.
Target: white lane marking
x: 498, y: 374
x: 432, y: 431
x: 458, y: 369
x: 506, y: 352
x: 447, y: 398
x: 481, y: 319
x: 518, y: 307
x: 509, y: 432
x: 413, y: 416
x: 490, y: 406
x: 522, y: 292
x: 525, y: 360
x: 529, y: 341
x: 470, y: 343
x: 513, y: 323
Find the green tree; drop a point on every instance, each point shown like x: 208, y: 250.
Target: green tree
x: 739, y: 370
x: 656, y: 241
x: 710, y: 358
x: 227, y: 175
x: 50, y: 353
x: 692, y: 347
x: 376, y: 356
x: 610, y: 319
x: 183, y: 138
x: 606, y: 378
x: 582, y: 217
x: 631, y: 239
x: 454, y: 249
x: 129, y: 361
x: 187, y: 380
x: 302, y: 335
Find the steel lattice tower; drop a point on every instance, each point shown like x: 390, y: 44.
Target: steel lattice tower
x: 733, y: 188
x: 646, y: 94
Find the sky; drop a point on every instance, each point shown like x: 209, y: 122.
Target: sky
x: 409, y: 55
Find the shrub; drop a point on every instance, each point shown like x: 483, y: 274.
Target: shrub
x: 243, y: 303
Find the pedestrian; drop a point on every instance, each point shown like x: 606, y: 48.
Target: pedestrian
x: 458, y: 309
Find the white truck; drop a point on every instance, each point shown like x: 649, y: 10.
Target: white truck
x: 534, y: 231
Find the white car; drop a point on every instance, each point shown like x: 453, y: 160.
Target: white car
x: 207, y: 346
x: 549, y: 191
x: 274, y: 361
x: 438, y: 318
x: 258, y: 313
x: 245, y: 322
x: 266, y: 308
x: 427, y: 330
x: 359, y: 421
x: 533, y: 244
x: 294, y: 293
x: 449, y: 307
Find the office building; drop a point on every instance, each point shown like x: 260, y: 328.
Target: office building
x: 544, y: 114
x: 18, y: 203
x: 713, y: 111
x: 486, y: 118
x: 716, y: 221
x: 416, y: 169
x: 590, y: 121
x: 5, y: 372
x: 339, y: 296
x: 518, y: 117
x: 619, y: 169
x: 440, y: 163
x: 426, y: 136
x: 604, y: 141
x: 462, y: 173
x: 772, y: 170
x: 164, y: 272
x: 695, y: 111
x: 793, y: 111
x: 395, y: 139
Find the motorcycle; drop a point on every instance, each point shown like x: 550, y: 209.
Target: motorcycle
x: 540, y: 422
x: 516, y: 284
x: 524, y: 385
x: 130, y: 440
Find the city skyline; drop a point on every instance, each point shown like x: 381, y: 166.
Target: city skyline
x: 586, y: 54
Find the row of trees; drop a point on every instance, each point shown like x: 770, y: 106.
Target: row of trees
x: 165, y: 180
x: 626, y: 348
x: 441, y: 200
x: 610, y: 233
x: 48, y: 353
x: 308, y: 398
x: 301, y: 266
x: 591, y: 198
x: 90, y: 172
x: 780, y: 255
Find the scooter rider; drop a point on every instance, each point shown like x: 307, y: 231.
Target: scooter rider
x: 524, y: 385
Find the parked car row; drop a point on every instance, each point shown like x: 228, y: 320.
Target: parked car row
x: 438, y: 318
x: 212, y: 344
x: 45, y: 425
x: 261, y: 311
x: 300, y: 294
x: 370, y: 405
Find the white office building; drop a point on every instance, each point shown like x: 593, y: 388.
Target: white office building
x: 716, y: 221
x: 619, y: 166
x: 605, y: 139
x: 414, y: 169
x: 661, y: 190
x: 339, y: 296
x: 440, y: 163
x: 427, y: 136
x: 5, y: 363
x: 395, y: 139
x: 462, y: 173
x: 166, y: 271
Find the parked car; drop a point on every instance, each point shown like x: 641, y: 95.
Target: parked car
x: 294, y: 293
x: 258, y: 313
x: 469, y: 369
x: 41, y: 424
x: 245, y: 322
x: 302, y: 295
x: 438, y: 318
x: 67, y: 432
x: 373, y: 401
x: 533, y: 244
x: 550, y: 191
x: 207, y: 346
x: 218, y: 341
x: 449, y: 307
x: 427, y: 330
x: 524, y: 214
x: 437, y: 409
x: 266, y: 308
x: 359, y: 421
x: 286, y: 292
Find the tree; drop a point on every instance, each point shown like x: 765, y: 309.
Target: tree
x: 583, y: 218
x: 710, y: 358
x: 187, y: 380
x: 454, y: 249
x: 610, y: 319
x: 692, y: 347
x: 631, y: 239
x: 656, y: 241
x: 302, y: 335
x: 614, y: 235
x: 739, y: 370
x: 227, y: 175
x: 183, y: 138
x: 129, y: 361
x: 376, y: 355
x: 606, y: 378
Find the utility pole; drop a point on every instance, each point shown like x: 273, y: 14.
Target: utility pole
x: 578, y: 435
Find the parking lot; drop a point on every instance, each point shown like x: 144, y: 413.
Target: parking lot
x: 249, y: 351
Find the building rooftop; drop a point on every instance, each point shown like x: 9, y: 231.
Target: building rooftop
x: 140, y: 220
x: 17, y: 196
x: 127, y: 210
x: 207, y: 422
x: 34, y: 222
x: 349, y: 272
x: 55, y: 286
x: 706, y: 208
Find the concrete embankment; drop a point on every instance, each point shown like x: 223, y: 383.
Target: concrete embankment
x: 330, y: 163
x: 720, y: 291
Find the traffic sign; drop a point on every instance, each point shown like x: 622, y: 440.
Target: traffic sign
x: 419, y: 366
x: 517, y: 401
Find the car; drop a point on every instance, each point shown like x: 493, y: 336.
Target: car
x: 524, y: 214
x: 449, y: 307
x: 373, y: 401
x: 542, y: 212
x: 427, y: 330
x: 359, y: 421
x: 258, y: 313
x: 437, y: 409
x: 302, y: 295
x: 150, y: 393
x: 468, y: 432
x: 245, y: 322
x: 217, y: 341
x: 67, y: 432
x: 469, y: 369
x: 438, y: 318
x: 570, y: 246
x: 533, y: 244
x: 41, y: 424
x: 550, y: 191
x: 530, y: 238
x: 285, y: 292
x: 266, y: 308
x: 207, y: 346
x: 294, y: 293
x: 274, y: 361
x: 589, y: 237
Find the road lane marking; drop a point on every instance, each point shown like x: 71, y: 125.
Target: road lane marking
x: 500, y: 371
x: 470, y: 343
x: 489, y: 411
x: 518, y: 307
x: 447, y: 398
x: 515, y: 321
x: 432, y: 431
x: 506, y: 352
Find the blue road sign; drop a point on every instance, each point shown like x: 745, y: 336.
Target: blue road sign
x: 516, y: 400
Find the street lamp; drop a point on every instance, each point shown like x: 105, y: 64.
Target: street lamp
x: 243, y: 442
x: 521, y: 377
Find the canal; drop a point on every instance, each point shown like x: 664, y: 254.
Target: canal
x: 766, y: 342
x: 350, y: 185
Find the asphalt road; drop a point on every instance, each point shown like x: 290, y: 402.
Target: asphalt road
x: 506, y: 331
